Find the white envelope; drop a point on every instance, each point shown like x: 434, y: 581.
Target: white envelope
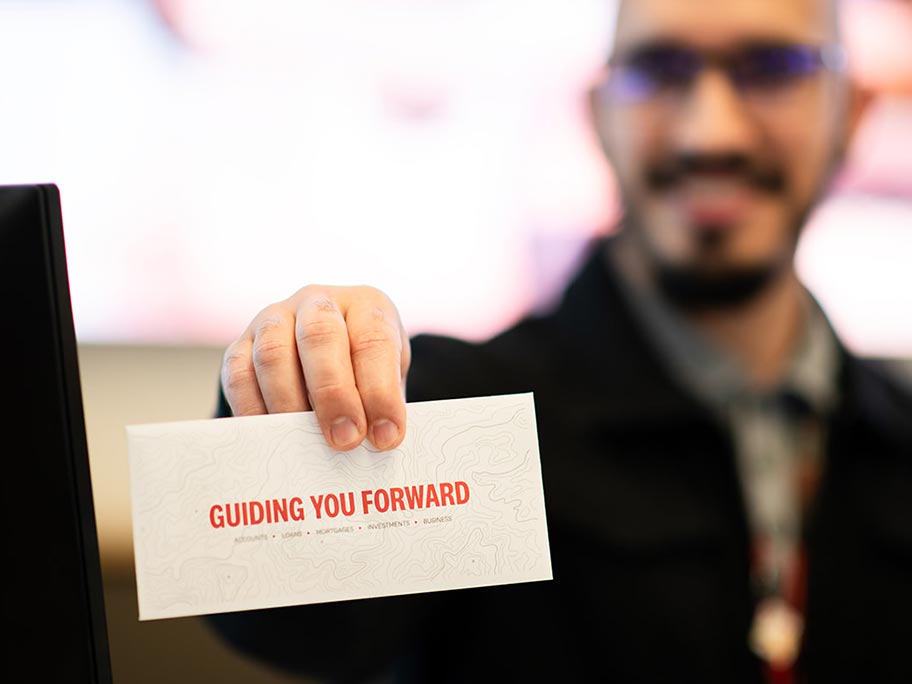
x: 257, y: 512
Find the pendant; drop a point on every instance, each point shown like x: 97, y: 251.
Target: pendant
x: 776, y: 633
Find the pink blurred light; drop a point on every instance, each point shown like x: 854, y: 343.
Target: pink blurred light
x: 879, y: 37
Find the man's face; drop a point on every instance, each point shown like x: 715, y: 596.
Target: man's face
x: 718, y: 158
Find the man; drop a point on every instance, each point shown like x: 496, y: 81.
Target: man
x: 727, y: 487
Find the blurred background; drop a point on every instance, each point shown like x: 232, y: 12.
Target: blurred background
x: 215, y: 155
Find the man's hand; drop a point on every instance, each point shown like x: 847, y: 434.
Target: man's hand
x: 341, y: 351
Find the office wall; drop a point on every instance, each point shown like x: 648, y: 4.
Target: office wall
x: 125, y: 385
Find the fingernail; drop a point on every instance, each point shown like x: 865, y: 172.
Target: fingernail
x: 343, y: 431
x: 384, y: 433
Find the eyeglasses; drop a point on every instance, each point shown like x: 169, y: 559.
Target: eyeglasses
x: 666, y: 69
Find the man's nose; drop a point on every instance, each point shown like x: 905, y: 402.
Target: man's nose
x: 714, y: 119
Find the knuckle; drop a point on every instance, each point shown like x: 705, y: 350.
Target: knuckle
x: 267, y: 316
x: 234, y: 358
x: 271, y: 320
x: 325, y: 304
x: 318, y: 333
x: 268, y: 352
x: 237, y: 371
x: 319, y: 296
x: 377, y: 315
x: 271, y: 342
x: 372, y: 343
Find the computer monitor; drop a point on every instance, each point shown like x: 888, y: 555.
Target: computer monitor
x: 53, y: 606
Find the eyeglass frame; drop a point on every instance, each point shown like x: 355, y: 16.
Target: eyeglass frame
x: 830, y: 57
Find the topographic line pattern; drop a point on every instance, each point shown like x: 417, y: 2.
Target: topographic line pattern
x: 179, y: 470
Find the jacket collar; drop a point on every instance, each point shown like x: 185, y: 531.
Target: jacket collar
x: 595, y: 320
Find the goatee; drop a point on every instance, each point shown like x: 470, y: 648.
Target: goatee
x: 695, y: 291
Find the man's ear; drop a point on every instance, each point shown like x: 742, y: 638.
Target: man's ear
x: 859, y: 102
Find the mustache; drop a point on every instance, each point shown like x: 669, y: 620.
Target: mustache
x: 672, y: 171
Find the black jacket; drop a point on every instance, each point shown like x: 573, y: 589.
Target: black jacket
x: 648, y: 532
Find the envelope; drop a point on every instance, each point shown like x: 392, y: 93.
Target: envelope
x: 256, y: 512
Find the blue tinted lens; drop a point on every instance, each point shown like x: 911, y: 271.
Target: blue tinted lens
x: 632, y: 85
x: 649, y: 71
x: 658, y: 69
x: 772, y: 66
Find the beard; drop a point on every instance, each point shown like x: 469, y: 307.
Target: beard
x: 692, y: 291
x: 696, y: 287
